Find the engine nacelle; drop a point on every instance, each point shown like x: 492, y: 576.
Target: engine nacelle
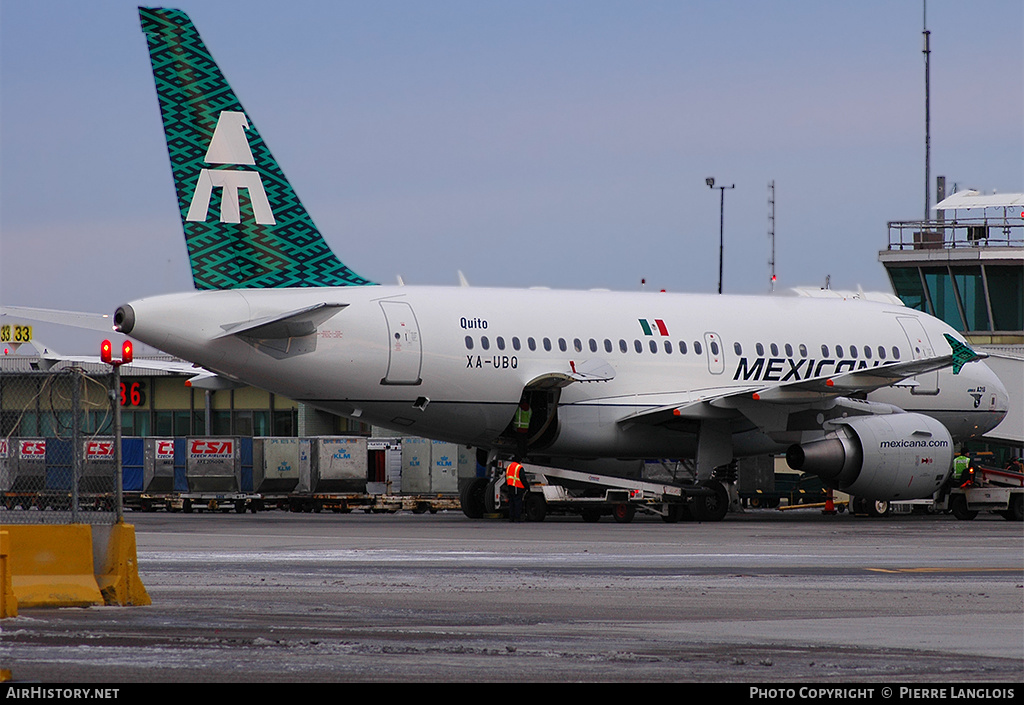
x: 890, y: 457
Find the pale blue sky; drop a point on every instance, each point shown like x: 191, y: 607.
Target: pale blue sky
x: 560, y: 144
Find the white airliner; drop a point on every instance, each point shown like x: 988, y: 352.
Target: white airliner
x: 870, y: 395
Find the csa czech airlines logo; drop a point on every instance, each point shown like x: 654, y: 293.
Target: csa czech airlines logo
x: 30, y: 449
x: 230, y: 146
x: 164, y: 450
x: 99, y: 449
x: 211, y: 449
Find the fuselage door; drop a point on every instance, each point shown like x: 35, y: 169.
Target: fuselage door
x: 405, y: 350
x: 715, y: 352
x: 920, y: 348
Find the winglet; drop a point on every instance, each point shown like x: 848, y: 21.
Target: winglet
x: 962, y: 353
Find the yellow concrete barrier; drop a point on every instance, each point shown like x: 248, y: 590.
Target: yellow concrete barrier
x: 8, y: 602
x: 117, y: 566
x: 73, y: 566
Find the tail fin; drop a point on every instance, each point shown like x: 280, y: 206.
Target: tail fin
x: 263, y: 237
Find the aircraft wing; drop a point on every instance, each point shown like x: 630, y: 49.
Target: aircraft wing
x: 91, y: 321
x: 49, y: 357
x: 728, y: 403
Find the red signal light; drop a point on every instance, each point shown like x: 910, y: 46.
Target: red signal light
x: 105, y: 352
x: 126, y: 352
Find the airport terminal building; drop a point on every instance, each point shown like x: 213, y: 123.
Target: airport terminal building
x: 966, y: 267
x: 153, y: 403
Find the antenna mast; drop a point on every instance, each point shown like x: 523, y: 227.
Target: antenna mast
x: 927, y: 114
x: 771, y: 230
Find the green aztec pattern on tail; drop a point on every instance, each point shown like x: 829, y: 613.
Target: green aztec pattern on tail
x: 244, y: 225
x: 962, y: 354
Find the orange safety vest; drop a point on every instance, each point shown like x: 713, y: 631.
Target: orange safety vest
x: 512, y: 476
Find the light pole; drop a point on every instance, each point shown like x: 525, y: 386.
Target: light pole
x: 710, y: 181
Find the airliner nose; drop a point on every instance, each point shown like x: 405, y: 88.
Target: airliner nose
x: 124, y: 319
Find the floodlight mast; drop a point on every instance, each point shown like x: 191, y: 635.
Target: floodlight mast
x: 710, y: 181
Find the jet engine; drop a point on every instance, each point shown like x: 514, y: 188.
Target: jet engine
x: 890, y: 457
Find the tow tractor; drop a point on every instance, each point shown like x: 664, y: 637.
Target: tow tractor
x: 985, y: 489
x: 593, y: 496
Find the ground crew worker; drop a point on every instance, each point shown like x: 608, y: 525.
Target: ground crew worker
x: 521, y: 424
x: 961, y: 465
x: 516, y: 486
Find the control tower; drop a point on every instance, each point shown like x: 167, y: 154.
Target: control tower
x: 966, y: 267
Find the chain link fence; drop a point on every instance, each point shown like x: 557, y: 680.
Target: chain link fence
x: 59, y: 460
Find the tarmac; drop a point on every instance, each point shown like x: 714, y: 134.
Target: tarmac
x: 761, y: 597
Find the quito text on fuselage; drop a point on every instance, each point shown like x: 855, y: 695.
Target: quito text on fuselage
x: 870, y: 395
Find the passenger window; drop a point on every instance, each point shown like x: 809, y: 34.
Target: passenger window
x: 547, y: 344
x: 561, y: 345
x: 803, y: 350
x: 668, y: 346
x: 654, y: 345
x: 760, y: 350
x: 593, y: 345
x: 824, y: 351
x: 853, y: 351
x: 638, y: 346
x: 531, y: 343
x: 578, y: 345
x: 881, y: 352
x: 775, y: 350
x: 484, y: 342
x: 607, y: 345
x: 682, y: 348
x: 867, y: 351
x: 839, y: 352
x: 714, y: 347
x: 623, y: 346
x: 500, y: 342
x: 696, y: 347
x: 737, y: 348
x: 789, y: 350
x: 895, y: 353
x: 515, y: 343
x: 469, y: 342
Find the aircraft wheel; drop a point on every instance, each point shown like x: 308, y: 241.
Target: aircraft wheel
x: 878, y: 508
x: 473, y: 498
x: 712, y: 507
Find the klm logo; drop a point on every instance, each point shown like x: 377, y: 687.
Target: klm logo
x: 230, y: 146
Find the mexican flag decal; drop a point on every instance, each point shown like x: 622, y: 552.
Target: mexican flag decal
x: 652, y: 326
